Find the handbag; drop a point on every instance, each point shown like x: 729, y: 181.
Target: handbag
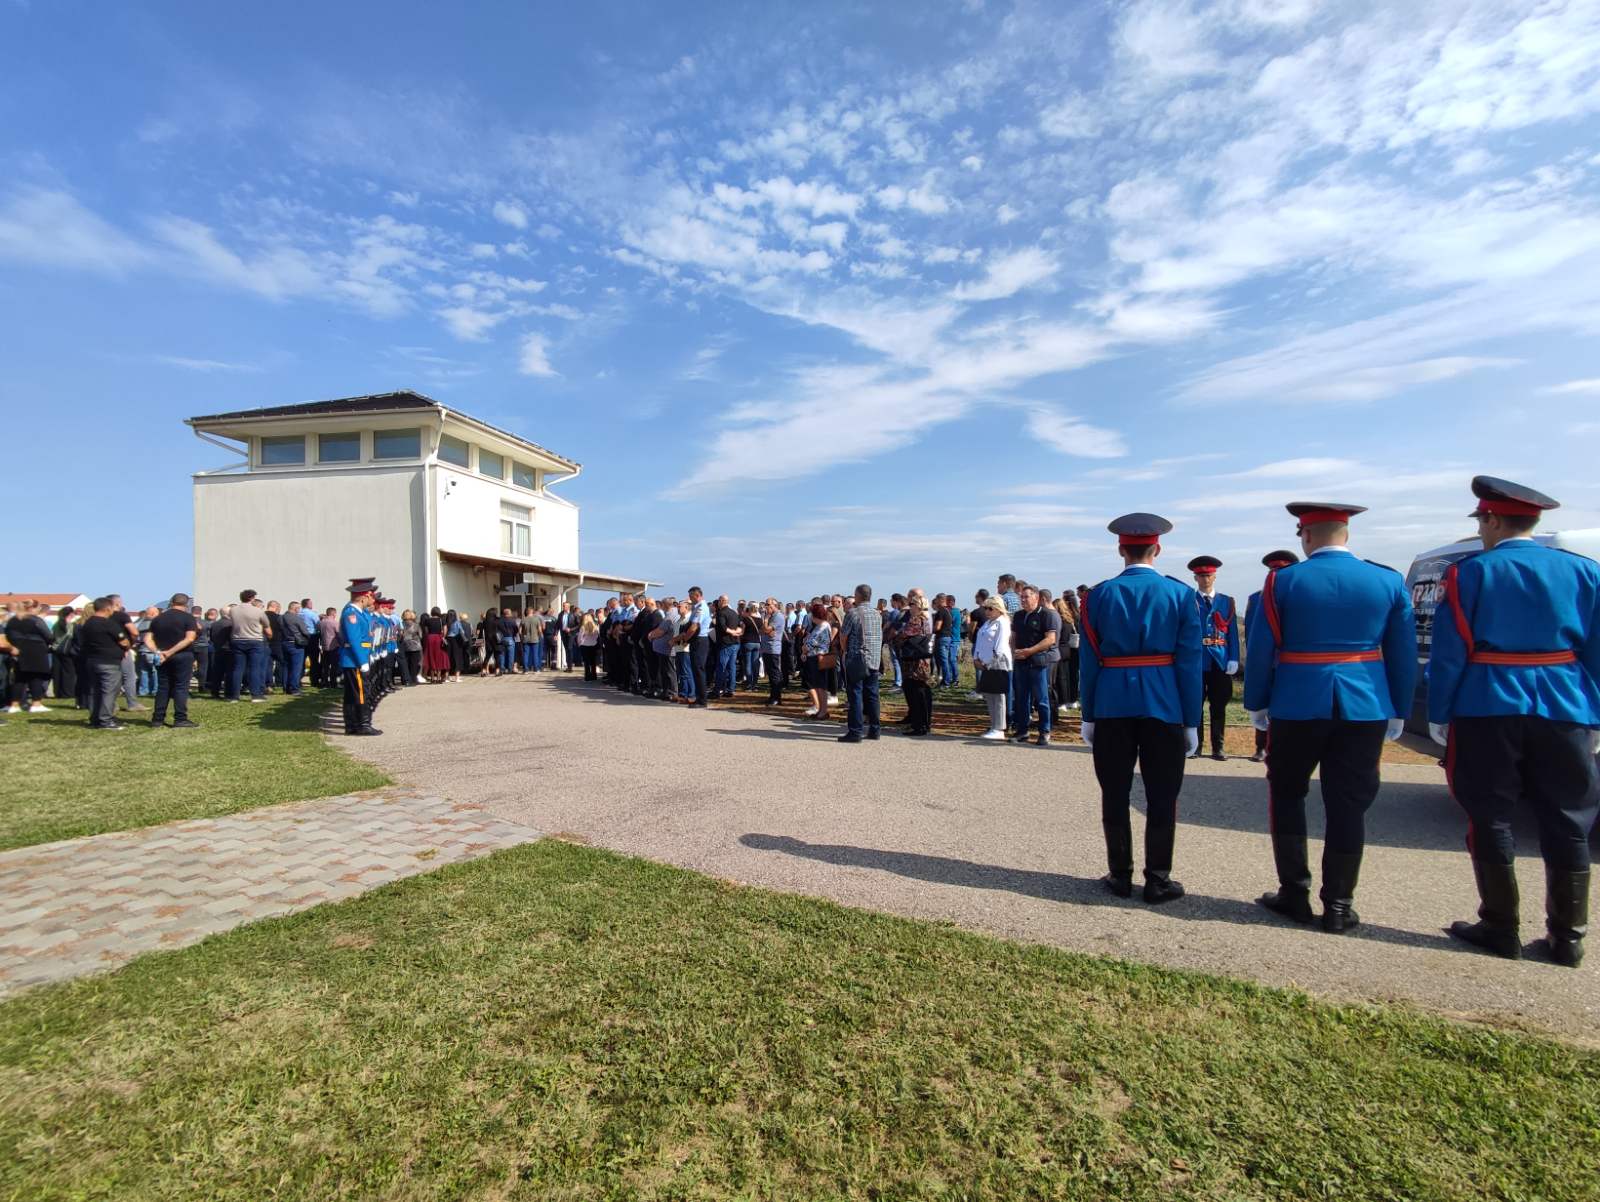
x: 827, y: 660
x: 992, y: 680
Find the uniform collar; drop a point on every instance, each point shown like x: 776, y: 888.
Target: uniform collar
x: 1139, y: 567
x: 1326, y: 550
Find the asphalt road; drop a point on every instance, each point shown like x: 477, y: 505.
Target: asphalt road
x: 993, y: 837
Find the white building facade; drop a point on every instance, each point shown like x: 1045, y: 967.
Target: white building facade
x: 444, y: 510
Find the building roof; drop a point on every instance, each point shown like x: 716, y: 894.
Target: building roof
x: 55, y: 599
x: 378, y: 402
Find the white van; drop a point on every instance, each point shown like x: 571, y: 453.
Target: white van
x: 1427, y: 571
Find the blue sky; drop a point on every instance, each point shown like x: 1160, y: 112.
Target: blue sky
x: 821, y: 292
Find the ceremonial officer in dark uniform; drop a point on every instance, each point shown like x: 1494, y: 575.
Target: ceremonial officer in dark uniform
x: 1219, y: 642
x: 1272, y: 561
x: 1331, y: 668
x: 1141, y: 701
x: 355, y: 657
x: 1514, y: 695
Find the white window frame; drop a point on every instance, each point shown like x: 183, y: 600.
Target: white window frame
x: 516, y: 530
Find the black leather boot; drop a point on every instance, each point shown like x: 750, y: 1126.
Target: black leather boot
x: 1566, y: 907
x: 1293, y: 897
x: 1119, y: 858
x: 1340, y: 871
x: 1159, y: 887
x: 1496, y: 929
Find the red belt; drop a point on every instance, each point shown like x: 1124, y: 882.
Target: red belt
x: 1330, y: 657
x: 1136, y: 661
x: 1524, y: 659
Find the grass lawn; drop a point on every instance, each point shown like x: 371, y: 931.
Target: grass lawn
x: 556, y: 1022
x: 62, y: 779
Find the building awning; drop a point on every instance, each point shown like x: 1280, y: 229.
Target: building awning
x: 538, y: 573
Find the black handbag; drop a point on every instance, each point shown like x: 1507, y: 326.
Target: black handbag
x: 992, y: 680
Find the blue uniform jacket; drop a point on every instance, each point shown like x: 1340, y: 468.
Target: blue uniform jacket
x: 1141, y: 612
x: 355, y: 637
x: 1518, y: 597
x: 1219, y: 630
x: 1332, y: 602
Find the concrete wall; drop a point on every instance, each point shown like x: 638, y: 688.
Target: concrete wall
x: 304, y: 534
x: 467, y: 518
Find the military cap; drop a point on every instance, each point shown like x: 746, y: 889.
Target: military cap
x: 1279, y: 559
x: 1138, y: 529
x: 1204, y: 565
x: 1501, y: 496
x: 1311, y: 513
x: 362, y: 584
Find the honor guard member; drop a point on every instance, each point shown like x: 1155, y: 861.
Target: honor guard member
x: 1141, y: 701
x: 378, y: 679
x: 1331, y: 668
x: 391, y: 645
x: 355, y: 657
x: 1219, y: 641
x: 1514, y: 695
x: 1272, y: 561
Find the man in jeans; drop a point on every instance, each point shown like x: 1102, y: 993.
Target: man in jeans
x: 103, y: 643
x: 250, y: 656
x: 1035, y: 633
x: 729, y: 629
x: 170, y: 638
x: 861, y: 636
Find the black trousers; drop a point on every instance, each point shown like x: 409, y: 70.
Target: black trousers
x: 357, y: 701
x: 699, y: 649
x: 1157, y: 748
x: 919, y: 702
x: 590, y: 655
x: 775, y: 675
x: 1348, y: 755
x: 1495, y: 765
x: 1217, y: 687
x: 173, y: 676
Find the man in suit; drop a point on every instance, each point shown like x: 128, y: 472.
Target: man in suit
x: 1272, y: 561
x: 1141, y: 701
x: 1219, y: 641
x: 1514, y: 695
x: 1331, y: 668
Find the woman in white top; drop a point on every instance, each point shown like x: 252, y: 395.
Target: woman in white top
x: 992, y: 653
x: 817, y: 644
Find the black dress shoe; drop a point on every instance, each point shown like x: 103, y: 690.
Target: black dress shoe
x: 872, y: 734
x: 369, y: 731
x: 1339, y: 917
x: 848, y: 739
x: 1042, y: 741
x: 185, y: 724
x: 1258, y: 757
x: 1566, y: 952
x: 1121, y: 885
x: 1290, y: 905
x: 1217, y: 755
x: 1158, y: 891
x: 1494, y: 940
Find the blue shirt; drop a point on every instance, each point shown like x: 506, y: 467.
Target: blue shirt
x: 1012, y: 602
x: 1520, y: 596
x: 1219, y: 629
x: 1333, y: 603
x: 700, y: 613
x: 355, y: 637
x: 1141, y: 612
x: 308, y: 621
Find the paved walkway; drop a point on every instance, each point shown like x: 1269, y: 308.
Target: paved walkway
x: 992, y: 836
x: 84, y: 905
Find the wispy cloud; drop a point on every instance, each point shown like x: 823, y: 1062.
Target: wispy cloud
x: 204, y: 365
x: 534, y: 356
x: 1574, y: 388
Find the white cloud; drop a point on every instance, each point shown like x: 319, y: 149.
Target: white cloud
x: 1298, y: 469
x: 406, y: 200
x: 921, y: 199
x: 1168, y: 38
x: 208, y: 366
x: 1574, y: 388
x: 1071, y: 117
x: 1005, y: 214
x: 483, y: 250
x: 1072, y: 436
x: 50, y: 228
x: 972, y: 162
x: 534, y: 356
x: 470, y: 324
x: 1009, y: 275
x: 509, y: 212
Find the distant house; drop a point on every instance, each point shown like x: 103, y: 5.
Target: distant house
x: 51, y: 601
x: 443, y: 509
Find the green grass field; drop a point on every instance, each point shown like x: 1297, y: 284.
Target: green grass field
x: 557, y: 1022
x: 62, y: 780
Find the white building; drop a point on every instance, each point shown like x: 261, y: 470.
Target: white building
x: 442, y: 509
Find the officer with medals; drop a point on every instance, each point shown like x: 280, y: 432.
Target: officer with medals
x: 1331, y: 669
x: 1514, y: 695
x: 1272, y: 561
x: 355, y: 657
x: 1140, y: 696
x: 1219, y: 640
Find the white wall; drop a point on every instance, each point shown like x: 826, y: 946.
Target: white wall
x: 305, y: 534
x: 467, y: 509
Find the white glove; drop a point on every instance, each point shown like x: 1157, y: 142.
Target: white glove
x: 1233, y: 666
x: 1439, y: 732
x: 1260, y: 719
x: 1594, y: 742
x: 1397, y: 727
x: 365, y: 667
x: 1191, y: 740
x: 1087, y: 731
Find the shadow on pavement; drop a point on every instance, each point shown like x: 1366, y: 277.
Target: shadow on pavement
x: 1061, y: 887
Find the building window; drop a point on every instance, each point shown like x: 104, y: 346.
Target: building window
x: 524, y: 476
x: 453, y: 450
x: 339, y: 448
x: 516, y: 529
x: 287, y: 450
x: 491, y: 465
x: 397, y: 444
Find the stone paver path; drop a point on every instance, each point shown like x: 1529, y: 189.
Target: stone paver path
x: 85, y: 905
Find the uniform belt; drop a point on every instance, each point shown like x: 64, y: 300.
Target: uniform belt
x: 1214, y: 642
x: 1136, y: 661
x: 1525, y: 659
x: 1371, y: 655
